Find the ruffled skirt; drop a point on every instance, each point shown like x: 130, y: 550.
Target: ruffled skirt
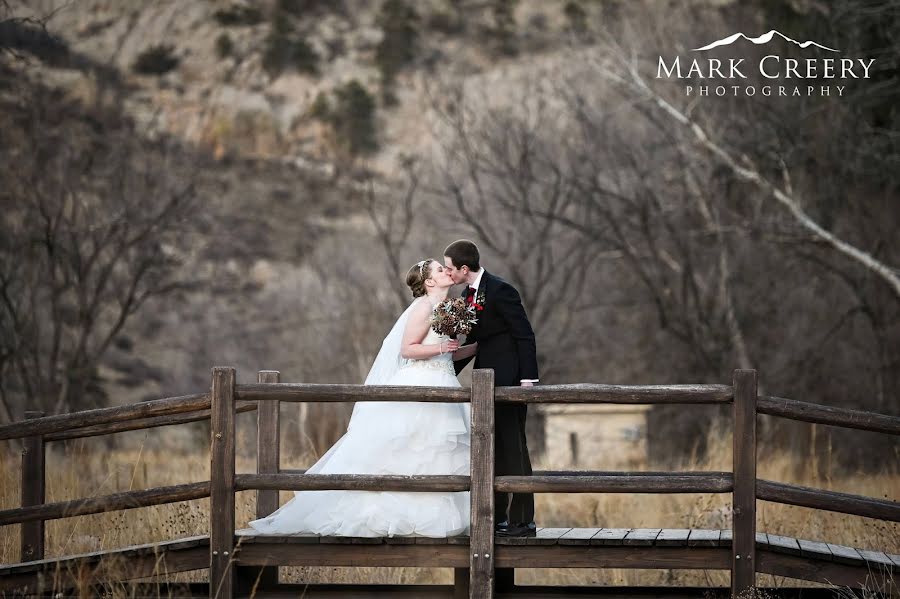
x: 405, y: 438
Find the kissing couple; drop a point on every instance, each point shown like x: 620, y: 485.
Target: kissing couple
x: 414, y: 438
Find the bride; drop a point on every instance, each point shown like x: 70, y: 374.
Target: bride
x: 403, y: 438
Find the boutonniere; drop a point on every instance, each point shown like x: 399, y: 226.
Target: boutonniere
x: 479, y: 300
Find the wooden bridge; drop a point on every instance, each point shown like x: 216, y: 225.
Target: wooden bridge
x: 241, y: 561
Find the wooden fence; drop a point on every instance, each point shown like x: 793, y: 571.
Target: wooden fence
x: 226, y: 398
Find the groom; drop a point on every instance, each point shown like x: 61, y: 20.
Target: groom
x: 506, y: 344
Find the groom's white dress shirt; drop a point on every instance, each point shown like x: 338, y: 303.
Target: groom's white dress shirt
x: 475, y: 284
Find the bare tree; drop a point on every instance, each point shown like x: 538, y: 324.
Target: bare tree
x: 497, y: 176
x: 95, y: 224
x: 393, y: 214
x: 624, y: 71
x: 765, y: 167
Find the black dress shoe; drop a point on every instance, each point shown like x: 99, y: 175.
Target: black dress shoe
x: 518, y: 530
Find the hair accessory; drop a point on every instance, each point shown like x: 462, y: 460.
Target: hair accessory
x: 421, y: 266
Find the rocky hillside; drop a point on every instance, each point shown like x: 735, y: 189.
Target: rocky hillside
x: 258, y: 78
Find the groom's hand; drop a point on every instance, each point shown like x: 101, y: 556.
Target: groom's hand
x: 527, y: 384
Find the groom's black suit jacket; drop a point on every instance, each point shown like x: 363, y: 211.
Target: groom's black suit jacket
x: 504, y: 335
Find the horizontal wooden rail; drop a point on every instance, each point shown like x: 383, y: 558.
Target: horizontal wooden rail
x: 92, y: 571
x: 699, y: 482
x: 832, y: 501
x: 580, y: 393
x: 579, y: 482
x: 699, y: 473
x: 349, y: 393
x: 351, y: 482
x: 133, y: 425
x: 616, y: 394
x: 831, y: 415
x: 106, y: 503
x: 144, y: 409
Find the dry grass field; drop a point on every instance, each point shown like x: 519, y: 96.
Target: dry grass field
x: 86, y: 468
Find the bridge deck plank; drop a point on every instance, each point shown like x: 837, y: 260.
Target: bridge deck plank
x: 610, y: 536
x: 641, y: 537
x: 673, y: 537
x: 544, y: 536
x: 403, y: 540
x: 578, y: 536
x: 704, y: 538
x: 630, y: 541
x: 845, y: 555
x: 783, y: 544
x: 246, y: 536
x: 93, y: 556
x: 459, y: 540
x: 815, y: 550
x: 876, y: 559
x: 354, y: 540
x: 431, y: 540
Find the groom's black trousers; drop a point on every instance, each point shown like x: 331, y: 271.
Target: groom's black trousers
x: 511, y: 458
x: 506, y: 345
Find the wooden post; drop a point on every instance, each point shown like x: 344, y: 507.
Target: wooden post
x: 268, y: 450
x: 481, y: 546
x: 33, y: 492
x: 221, y: 498
x: 743, y: 544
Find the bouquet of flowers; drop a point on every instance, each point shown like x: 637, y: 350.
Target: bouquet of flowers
x: 453, y: 317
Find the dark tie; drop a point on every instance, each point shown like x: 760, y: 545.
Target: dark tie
x: 470, y: 295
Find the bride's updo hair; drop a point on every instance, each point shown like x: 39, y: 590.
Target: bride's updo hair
x: 417, y: 276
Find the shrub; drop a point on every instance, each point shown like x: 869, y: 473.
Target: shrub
x: 224, y: 46
x: 320, y: 108
x: 398, y: 47
x: 576, y: 16
x: 238, y: 14
x: 336, y: 47
x: 301, y: 8
x: 156, y: 60
x: 285, y: 49
x: 538, y: 21
x: 504, y: 26
x: 352, y: 118
x: 444, y: 22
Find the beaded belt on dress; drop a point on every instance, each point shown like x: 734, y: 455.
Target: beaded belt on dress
x: 446, y: 365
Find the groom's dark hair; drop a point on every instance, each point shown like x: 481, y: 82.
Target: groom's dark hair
x: 463, y: 252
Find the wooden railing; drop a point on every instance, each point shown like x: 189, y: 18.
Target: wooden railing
x: 226, y: 398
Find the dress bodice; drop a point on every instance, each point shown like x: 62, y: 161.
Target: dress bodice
x: 433, y: 337
x: 438, y: 362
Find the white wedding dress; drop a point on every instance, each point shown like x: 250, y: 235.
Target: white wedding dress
x: 406, y: 438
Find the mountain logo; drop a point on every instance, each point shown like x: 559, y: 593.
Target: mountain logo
x: 763, y: 39
x: 775, y: 75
